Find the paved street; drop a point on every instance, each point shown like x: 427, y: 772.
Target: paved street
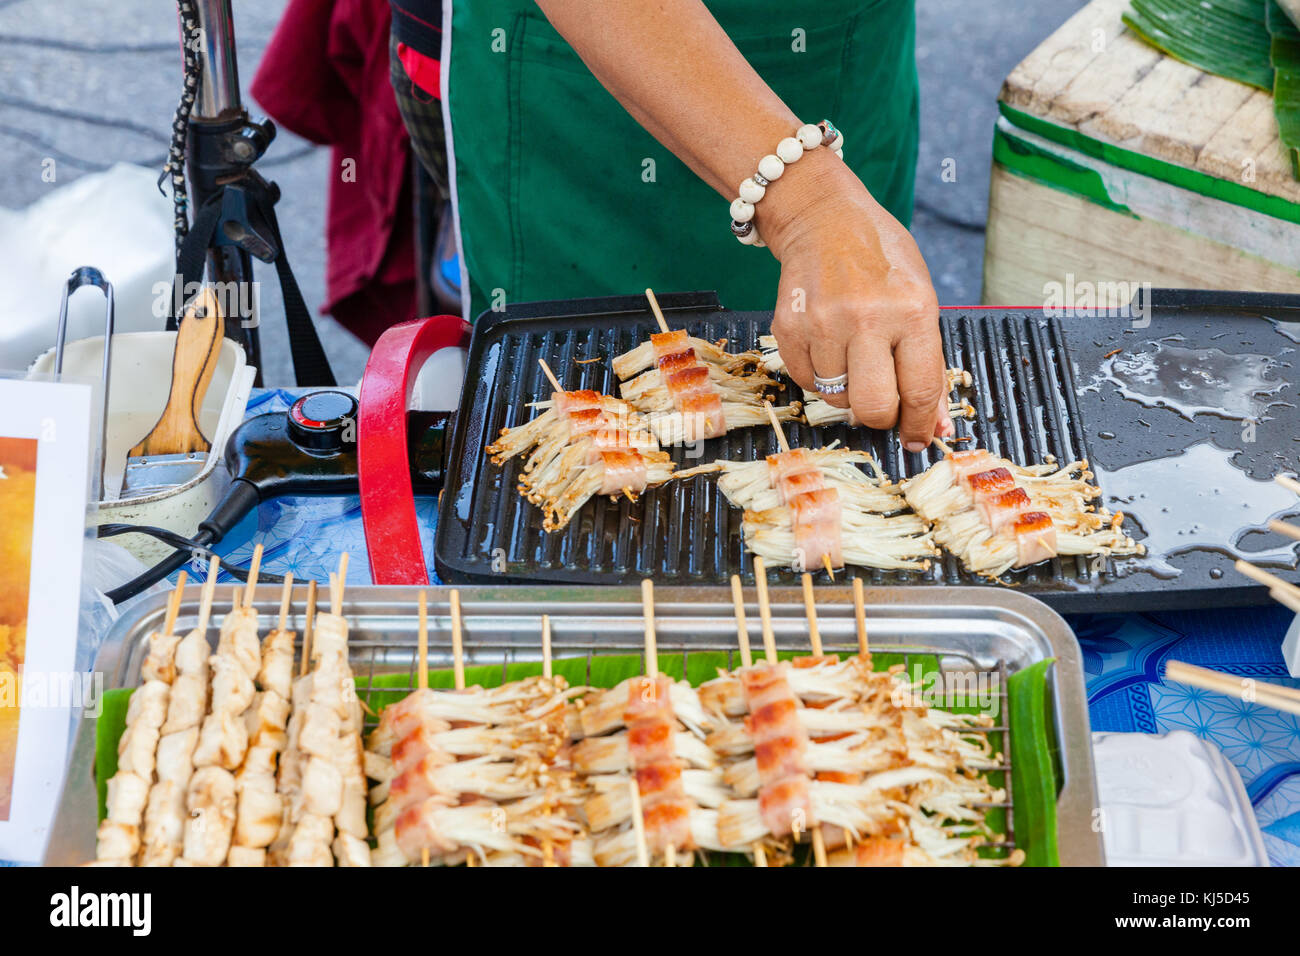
x: 93, y: 82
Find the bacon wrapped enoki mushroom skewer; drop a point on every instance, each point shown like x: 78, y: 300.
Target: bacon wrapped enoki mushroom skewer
x: 691, y: 392
x: 584, y: 444
x: 817, y: 411
x: 995, y: 515
x: 677, y: 803
x: 508, y: 764
x: 884, y: 766
x: 119, y: 834
x: 815, y: 508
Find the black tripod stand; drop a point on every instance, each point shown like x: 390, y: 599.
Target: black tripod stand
x: 225, y: 210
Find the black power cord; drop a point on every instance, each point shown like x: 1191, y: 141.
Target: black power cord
x: 239, y: 501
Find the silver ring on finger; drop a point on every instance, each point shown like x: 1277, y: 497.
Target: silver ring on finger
x: 836, y: 385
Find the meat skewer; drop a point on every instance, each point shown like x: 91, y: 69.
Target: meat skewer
x: 119, y: 833
x: 693, y: 391
x: 167, y: 814
x: 746, y: 661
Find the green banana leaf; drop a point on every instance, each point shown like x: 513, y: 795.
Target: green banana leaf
x: 1252, y: 41
x: 1225, y: 37
x: 1033, y: 742
x: 1284, y: 54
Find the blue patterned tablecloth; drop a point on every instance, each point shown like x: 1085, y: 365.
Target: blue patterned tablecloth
x: 1124, y: 654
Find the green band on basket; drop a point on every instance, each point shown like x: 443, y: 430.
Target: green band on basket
x: 1224, y: 190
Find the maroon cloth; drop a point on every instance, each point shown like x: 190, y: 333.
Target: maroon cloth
x: 325, y: 76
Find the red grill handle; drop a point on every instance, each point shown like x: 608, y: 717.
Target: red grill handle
x: 383, y: 462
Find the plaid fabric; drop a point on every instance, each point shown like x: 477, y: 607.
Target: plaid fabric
x: 422, y: 115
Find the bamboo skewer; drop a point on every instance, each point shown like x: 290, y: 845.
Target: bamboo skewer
x: 422, y: 672
x: 860, y: 617
x: 308, y: 624
x: 422, y: 638
x: 1269, y: 580
x: 746, y: 660
x: 742, y: 627
x: 764, y: 610
x: 458, y: 665
x: 784, y: 445
x: 174, y: 605
x: 286, y: 598
x: 810, y: 609
x: 546, y: 647
x: 457, y: 649
x: 253, y: 568
x: 209, y: 592
x: 555, y: 382
x: 814, y: 636
x: 1285, y: 598
x: 638, y: 824
x: 1286, y: 481
x: 1286, y: 699
x: 654, y: 307
x: 1282, y: 528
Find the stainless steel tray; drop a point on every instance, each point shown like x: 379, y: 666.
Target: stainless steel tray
x: 968, y: 629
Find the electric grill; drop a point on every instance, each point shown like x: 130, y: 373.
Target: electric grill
x: 1033, y: 391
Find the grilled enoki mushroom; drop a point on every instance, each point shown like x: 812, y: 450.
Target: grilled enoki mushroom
x: 995, y: 515
x: 691, y: 396
x: 582, y: 445
x: 813, y: 508
x: 867, y: 759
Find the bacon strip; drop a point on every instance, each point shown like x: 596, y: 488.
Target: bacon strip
x: 651, y: 726
x: 567, y: 402
x: 624, y: 469
x: 798, y: 483
x: 702, y: 416
x: 971, y: 462
x: 676, y: 361
x: 989, y: 484
x: 820, y: 542
x: 1002, y: 510
x: 780, y: 746
x: 666, y: 343
x: 1035, y: 538
x: 689, y: 381
x: 788, y: 463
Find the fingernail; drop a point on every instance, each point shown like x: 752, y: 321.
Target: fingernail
x: 914, y: 446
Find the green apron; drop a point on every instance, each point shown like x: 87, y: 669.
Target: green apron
x: 561, y: 194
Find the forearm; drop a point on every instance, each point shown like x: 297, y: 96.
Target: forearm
x: 672, y: 67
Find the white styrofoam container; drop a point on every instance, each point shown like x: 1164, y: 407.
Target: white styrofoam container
x: 139, y: 381
x: 1173, y: 800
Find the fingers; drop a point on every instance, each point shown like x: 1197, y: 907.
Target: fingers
x: 829, y: 360
x: 922, y: 385
x: 873, y: 390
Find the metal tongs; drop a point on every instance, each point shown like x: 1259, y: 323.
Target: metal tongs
x: 84, y: 276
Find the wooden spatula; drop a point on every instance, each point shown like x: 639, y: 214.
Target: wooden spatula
x: 175, y: 449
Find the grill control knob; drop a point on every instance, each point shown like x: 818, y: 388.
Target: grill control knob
x: 322, y: 422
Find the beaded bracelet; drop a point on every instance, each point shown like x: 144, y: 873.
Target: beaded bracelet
x: 770, y: 167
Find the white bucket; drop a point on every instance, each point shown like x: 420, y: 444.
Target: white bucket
x: 140, y: 380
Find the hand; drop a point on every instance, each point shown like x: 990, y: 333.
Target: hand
x: 855, y: 296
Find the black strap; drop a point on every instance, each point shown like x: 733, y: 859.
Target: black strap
x: 310, y: 364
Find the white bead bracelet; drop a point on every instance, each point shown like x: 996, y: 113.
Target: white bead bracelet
x: 770, y: 167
